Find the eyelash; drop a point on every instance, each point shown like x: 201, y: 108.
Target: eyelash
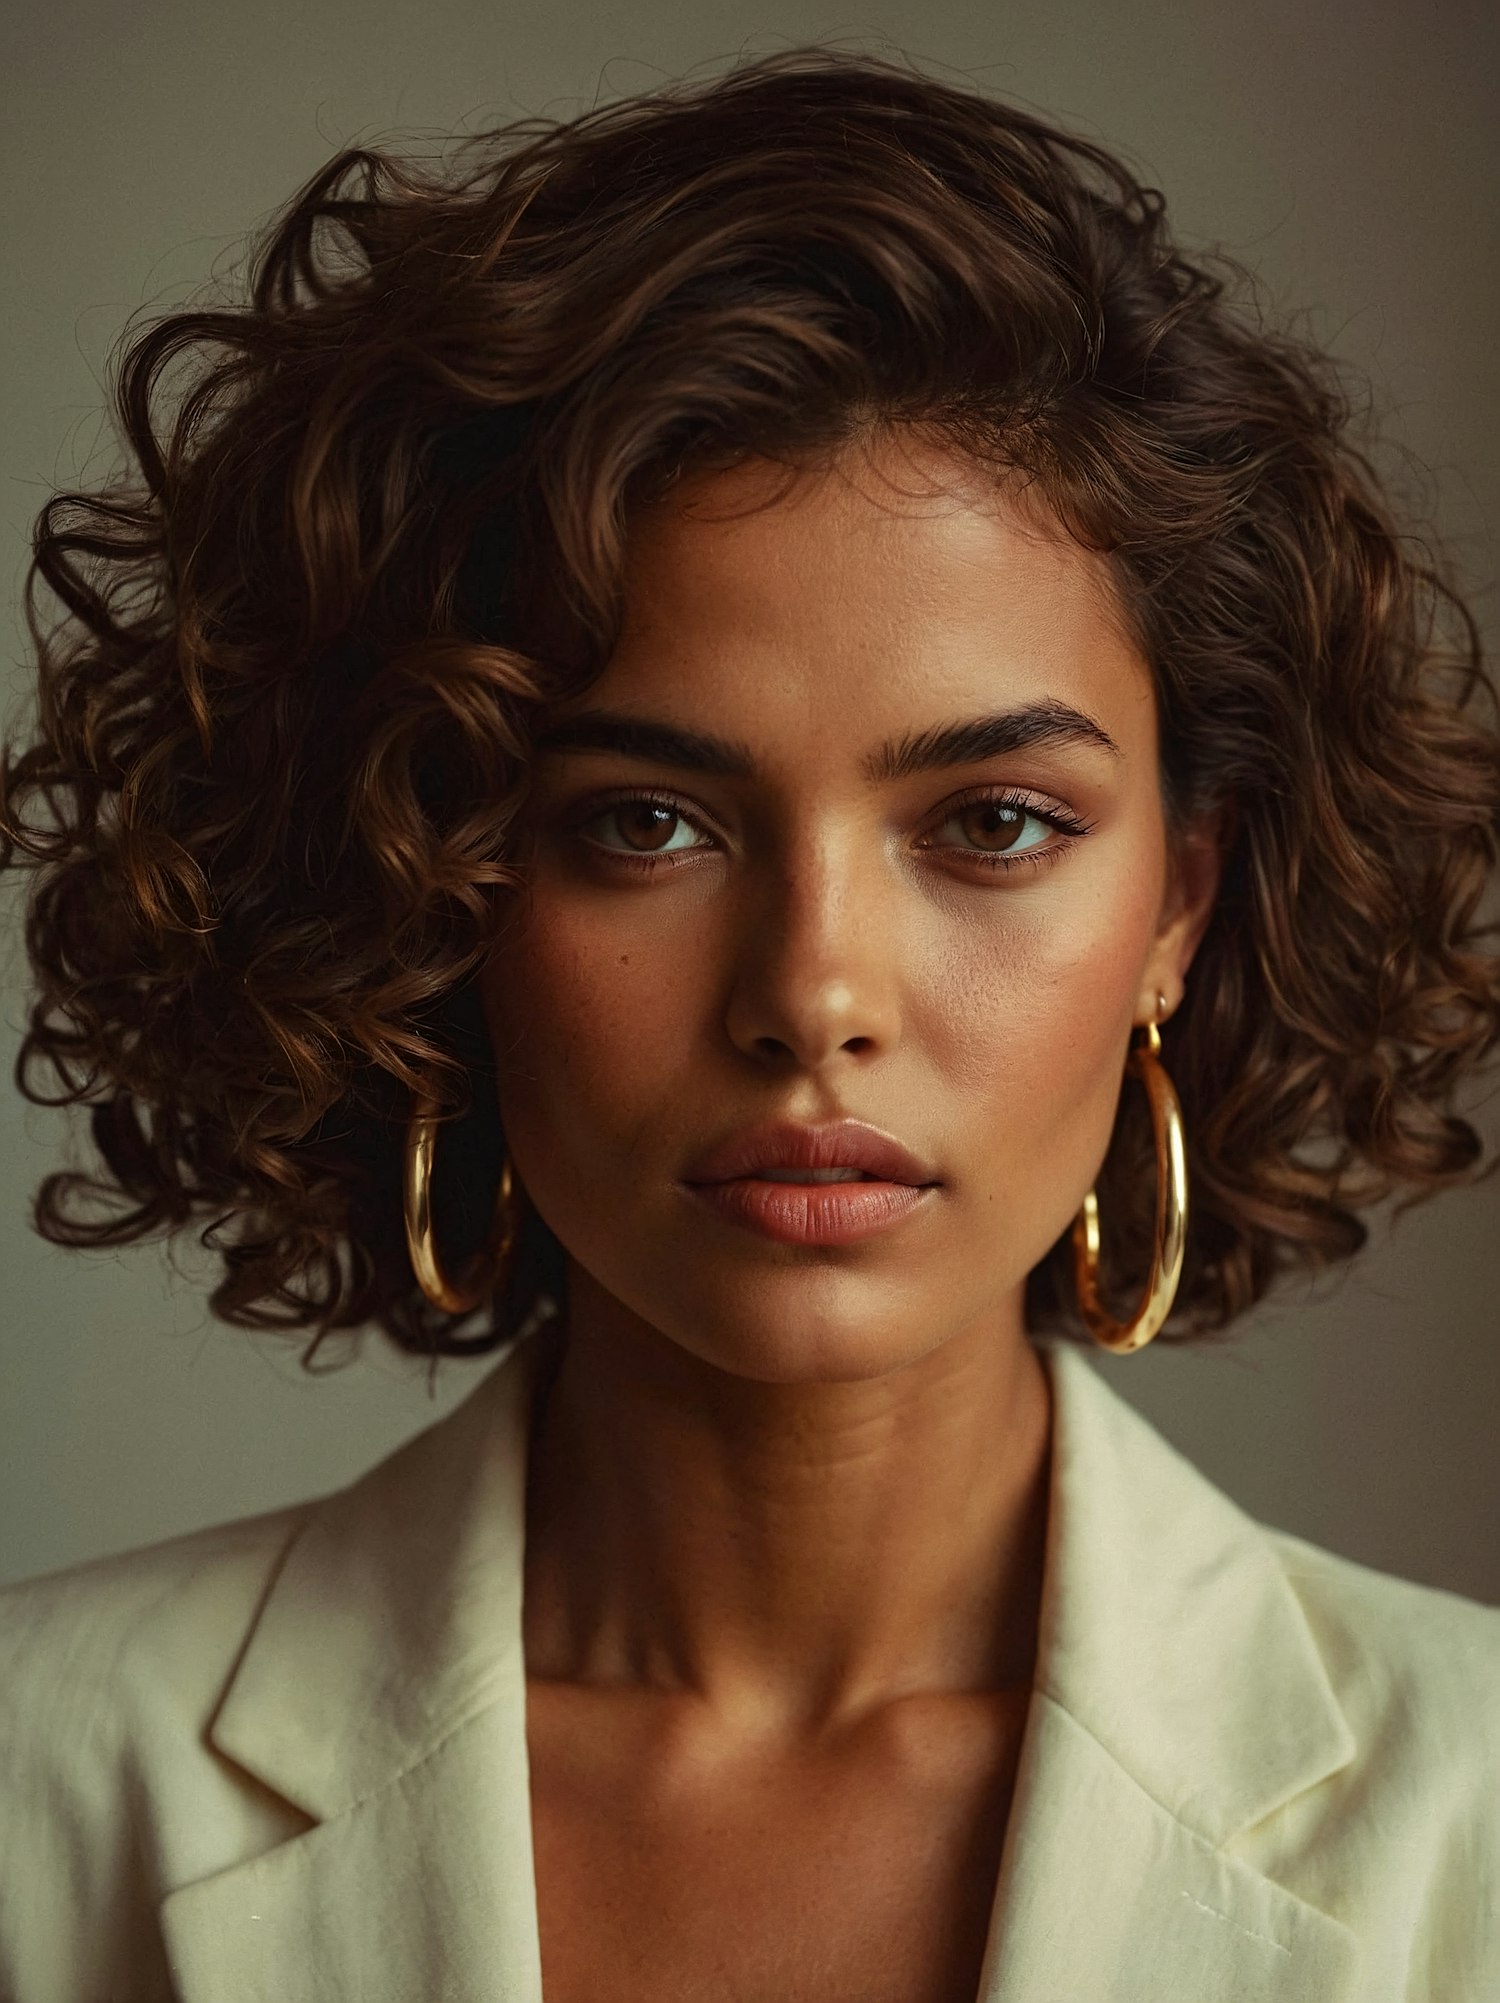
x: 1068, y: 825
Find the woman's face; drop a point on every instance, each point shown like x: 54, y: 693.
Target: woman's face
x: 823, y: 903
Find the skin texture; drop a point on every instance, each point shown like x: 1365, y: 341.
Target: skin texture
x: 787, y: 1505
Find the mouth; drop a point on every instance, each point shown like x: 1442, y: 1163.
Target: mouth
x: 812, y: 1206
x: 794, y: 1152
x: 828, y: 1184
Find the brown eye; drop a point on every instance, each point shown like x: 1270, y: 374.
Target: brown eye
x: 991, y: 824
x: 643, y: 824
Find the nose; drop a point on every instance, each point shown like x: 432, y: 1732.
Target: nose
x: 816, y: 964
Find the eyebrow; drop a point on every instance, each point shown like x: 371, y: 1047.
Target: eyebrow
x: 1046, y: 723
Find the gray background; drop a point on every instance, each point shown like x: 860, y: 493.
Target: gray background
x: 1345, y: 151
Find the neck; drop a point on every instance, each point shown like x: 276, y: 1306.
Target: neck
x: 793, y: 1555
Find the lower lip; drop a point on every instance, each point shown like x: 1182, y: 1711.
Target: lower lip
x: 812, y: 1213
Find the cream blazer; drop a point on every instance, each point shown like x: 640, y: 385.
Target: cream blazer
x: 285, y: 1759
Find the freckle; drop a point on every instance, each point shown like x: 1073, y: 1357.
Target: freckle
x: 624, y: 959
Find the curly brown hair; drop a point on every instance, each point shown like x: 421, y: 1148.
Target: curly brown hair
x: 374, y: 521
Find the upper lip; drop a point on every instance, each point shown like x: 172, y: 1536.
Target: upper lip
x: 787, y: 1144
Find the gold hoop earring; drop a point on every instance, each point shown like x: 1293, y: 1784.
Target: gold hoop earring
x: 482, y: 1277
x: 1170, y: 1234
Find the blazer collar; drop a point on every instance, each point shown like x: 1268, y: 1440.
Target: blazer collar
x: 1179, y: 1699
x: 1169, y: 1631
x: 396, y: 1614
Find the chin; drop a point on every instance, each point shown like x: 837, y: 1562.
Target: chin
x: 789, y: 1315
x: 824, y: 1356
x: 806, y: 1326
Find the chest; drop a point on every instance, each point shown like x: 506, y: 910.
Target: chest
x: 672, y: 1870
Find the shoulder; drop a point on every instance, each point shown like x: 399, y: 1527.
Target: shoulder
x: 178, y: 1605
x: 119, y: 1649
x: 1416, y: 1671
x: 109, y: 1673
x: 1398, y: 1650
x: 1404, y: 1840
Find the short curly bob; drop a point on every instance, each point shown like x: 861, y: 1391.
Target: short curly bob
x: 374, y: 522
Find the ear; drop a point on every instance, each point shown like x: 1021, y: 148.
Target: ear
x: 1195, y: 866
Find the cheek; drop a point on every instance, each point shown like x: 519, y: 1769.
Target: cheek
x: 1030, y: 1019
x: 588, y: 1025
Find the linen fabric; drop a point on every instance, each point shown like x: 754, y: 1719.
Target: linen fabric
x: 286, y: 1757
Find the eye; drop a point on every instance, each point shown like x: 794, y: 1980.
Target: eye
x: 1001, y: 831
x: 998, y: 828
x: 649, y: 826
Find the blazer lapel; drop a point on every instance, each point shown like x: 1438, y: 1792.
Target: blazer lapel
x: 1104, y: 1897
x: 383, y: 1692
x: 1179, y: 1699
x: 423, y: 1889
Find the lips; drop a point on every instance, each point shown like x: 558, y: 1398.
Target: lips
x: 783, y: 1145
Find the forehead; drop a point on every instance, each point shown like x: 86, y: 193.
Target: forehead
x: 900, y: 578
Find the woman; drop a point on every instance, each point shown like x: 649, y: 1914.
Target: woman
x: 681, y: 716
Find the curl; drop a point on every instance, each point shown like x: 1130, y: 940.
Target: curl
x: 374, y: 519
